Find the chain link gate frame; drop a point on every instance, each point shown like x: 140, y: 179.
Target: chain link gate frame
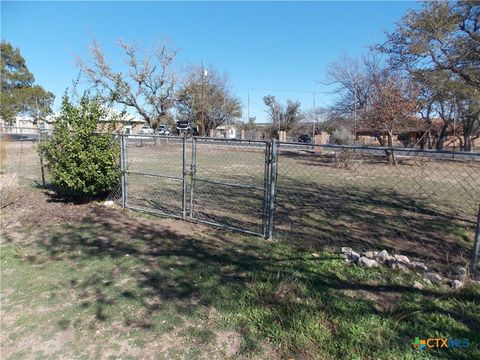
x: 320, y: 180
x: 157, y: 172
x: 195, y: 178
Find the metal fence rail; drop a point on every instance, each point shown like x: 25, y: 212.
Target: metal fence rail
x: 228, y: 183
x: 154, y: 171
x: 407, y: 200
x: 425, y: 202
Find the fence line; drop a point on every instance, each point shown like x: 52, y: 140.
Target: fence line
x: 313, y: 195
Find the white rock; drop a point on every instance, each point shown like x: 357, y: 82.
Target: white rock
x: 383, y: 256
x: 366, y: 262
x: 399, y: 266
x: 459, y: 271
x: 354, y: 256
x: 108, y: 203
x: 433, y: 277
x: 418, y: 266
x: 426, y: 281
x: 402, y: 258
x: 456, y: 284
x: 370, y: 254
x: 389, y: 262
x: 418, y: 285
x: 346, y: 249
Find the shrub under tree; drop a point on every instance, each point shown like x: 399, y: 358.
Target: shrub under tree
x: 82, y: 163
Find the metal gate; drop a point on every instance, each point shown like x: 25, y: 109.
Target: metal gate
x: 228, y: 184
x: 154, y: 174
x: 220, y: 182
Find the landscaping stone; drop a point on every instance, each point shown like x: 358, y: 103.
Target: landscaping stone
x: 390, y: 262
x: 418, y: 285
x: 366, y: 262
x: 370, y: 254
x: 433, y: 277
x: 459, y: 271
x: 456, y: 284
x: 402, y: 258
x: 418, y: 266
x: 399, y: 266
x: 383, y: 256
x: 346, y: 249
x: 354, y: 256
x: 427, y: 281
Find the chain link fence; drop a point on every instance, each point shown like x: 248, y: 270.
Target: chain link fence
x: 415, y: 202
x: 418, y: 203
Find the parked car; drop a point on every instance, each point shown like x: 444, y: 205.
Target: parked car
x: 304, y: 138
x: 146, y: 130
x: 164, y: 130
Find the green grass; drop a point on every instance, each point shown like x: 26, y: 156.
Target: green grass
x: 128, y: 286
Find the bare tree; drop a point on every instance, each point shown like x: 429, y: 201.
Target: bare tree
x: 392, y: 109
x: 147, y: 86
x: 207, y: 98
x: 353, y: 80
x: 282, y: 118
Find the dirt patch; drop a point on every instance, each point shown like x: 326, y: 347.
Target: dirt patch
x: 230, y: 342
x: 58, y: 342
x: 33, y: 208
x: 382, y: 300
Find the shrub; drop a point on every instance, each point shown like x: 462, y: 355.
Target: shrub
x: 81, y: 162
x: 344, y: 156
x: 342, y: 136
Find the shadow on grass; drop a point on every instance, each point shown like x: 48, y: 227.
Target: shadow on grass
x: 314, y: 216
x: 268, y: 288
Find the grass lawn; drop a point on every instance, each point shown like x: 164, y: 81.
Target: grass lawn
x: 89, y: 281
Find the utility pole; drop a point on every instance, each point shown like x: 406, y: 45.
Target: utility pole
x: 355, y: 114
x: 202, y: 113
x: 314, y: 116
x: 248, y: 107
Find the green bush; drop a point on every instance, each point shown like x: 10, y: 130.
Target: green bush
x: 81, y: 162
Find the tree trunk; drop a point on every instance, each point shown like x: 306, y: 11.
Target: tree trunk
x: 441, y: 137
x: 466, y: 143
x: 390, y: 154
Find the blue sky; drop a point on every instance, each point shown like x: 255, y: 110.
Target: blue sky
x: 264, y: 47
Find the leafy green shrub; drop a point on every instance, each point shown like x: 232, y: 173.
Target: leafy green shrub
x: 81, y: 162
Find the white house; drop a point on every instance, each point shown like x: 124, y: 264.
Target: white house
x: 226, y: 132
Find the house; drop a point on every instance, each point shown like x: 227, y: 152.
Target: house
x: 26, y: 124
x: 226, y: 132
x: 421, y: 134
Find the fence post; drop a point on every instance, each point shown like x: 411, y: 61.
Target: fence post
x: 476, y: 247
x: 266, y: 187
x: 122, y: 170
x: 184, y: 178
x: 42, y: 167
x: 192, y: 174
x: 272, y: 188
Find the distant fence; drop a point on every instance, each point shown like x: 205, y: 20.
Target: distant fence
x: 423, y: 203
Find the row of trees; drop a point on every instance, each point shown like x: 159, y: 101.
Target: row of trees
x: 430, y: 70
x: 19, y: 93
x: 149, y: 86
x: 152, y: 87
